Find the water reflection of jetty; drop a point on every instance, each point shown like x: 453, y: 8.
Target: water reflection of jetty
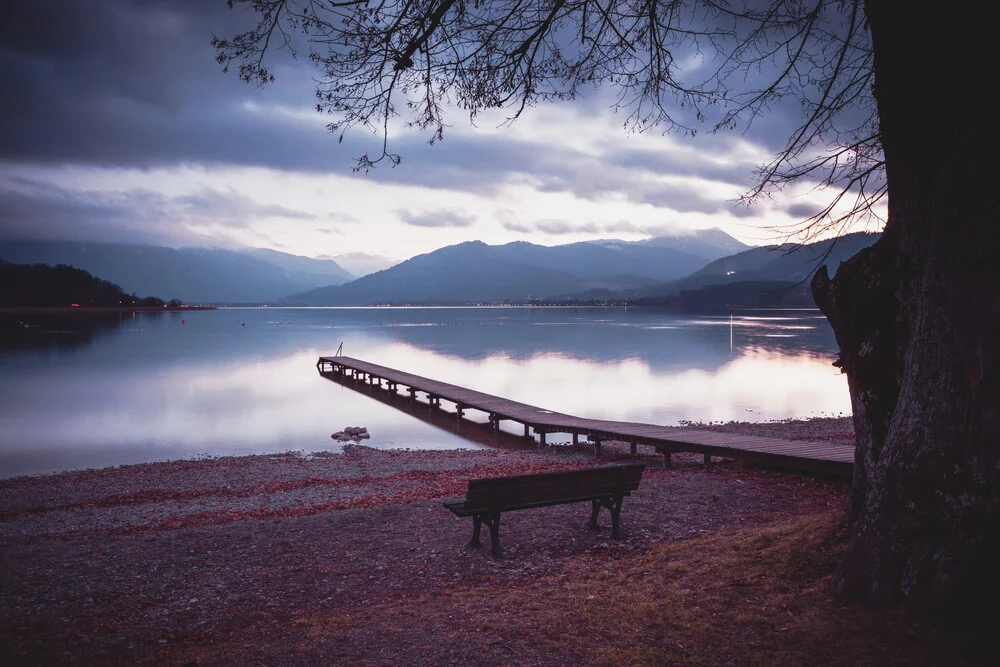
x: 384, y: 383
x: 483, y: 434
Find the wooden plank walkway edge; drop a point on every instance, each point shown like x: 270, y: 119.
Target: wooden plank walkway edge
x: 797, y: 455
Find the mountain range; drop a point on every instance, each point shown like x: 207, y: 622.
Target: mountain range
x: 789, y: 262
x: 765, y: 276
x: 193, y: 275
x: 707, y: 267
x: 475, y: 272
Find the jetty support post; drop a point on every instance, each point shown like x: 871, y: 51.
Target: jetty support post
x: 633, y: 448
x: 597, y: 445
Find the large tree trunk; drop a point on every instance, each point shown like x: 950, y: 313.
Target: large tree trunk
x: 917, y: 318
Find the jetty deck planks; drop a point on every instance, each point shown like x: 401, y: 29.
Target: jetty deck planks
x: 800, y: 455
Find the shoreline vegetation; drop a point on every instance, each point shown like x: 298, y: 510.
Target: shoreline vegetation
x: 350, y: 557
x: 40, y: 288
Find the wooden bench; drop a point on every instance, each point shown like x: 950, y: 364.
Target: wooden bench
x: 485, y: 499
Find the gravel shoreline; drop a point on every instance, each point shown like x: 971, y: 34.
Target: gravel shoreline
x: 136, y: 562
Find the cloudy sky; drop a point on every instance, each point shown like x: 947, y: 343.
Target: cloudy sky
x: 118, y: 125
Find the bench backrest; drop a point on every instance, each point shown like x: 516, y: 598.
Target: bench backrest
x: 519, y: 491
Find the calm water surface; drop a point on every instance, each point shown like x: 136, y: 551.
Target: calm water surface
x: 127, y: 389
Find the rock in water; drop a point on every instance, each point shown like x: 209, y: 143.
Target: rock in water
x: 351, y: 434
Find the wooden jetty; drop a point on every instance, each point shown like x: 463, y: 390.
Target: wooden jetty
x: 801, y: 455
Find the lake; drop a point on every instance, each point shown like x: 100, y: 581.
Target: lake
x: 94, y: 391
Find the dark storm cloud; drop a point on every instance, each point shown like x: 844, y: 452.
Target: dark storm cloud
x: 131, y: 83
x: 33, y: 209
x: 588, y: 178
x: 699, y: 164
x: 803, y: 211
x: 232, y: 209
x: 134, y: 83
x: 47, y: 212
x: 435, y: 219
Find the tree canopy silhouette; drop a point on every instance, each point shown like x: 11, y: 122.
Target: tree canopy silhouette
x: 892, y: 105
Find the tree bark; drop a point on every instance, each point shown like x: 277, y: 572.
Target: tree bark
x: 917, y: 318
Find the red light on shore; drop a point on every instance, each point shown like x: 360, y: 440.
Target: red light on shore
x: 74, y: 305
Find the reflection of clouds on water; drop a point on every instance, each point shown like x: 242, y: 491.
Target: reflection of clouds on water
x: 224, y: 409
x: 750, y: 323
x: 772, y: 384
x: 232, y: 382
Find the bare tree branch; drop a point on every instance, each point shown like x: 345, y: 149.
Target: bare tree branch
x: 478, y: 55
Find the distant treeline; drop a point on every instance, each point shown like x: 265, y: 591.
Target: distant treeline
x: 43, y: 286
x: 745, y: 294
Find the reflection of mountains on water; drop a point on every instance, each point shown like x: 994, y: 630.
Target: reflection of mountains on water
x: 664, y: 341
x: 56, y: 332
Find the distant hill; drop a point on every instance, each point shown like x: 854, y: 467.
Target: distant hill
x: 606, y: 259
x: 741, y: 294
x: 765, y: 276
x: 477, y: 272
x: 471, y: 271
x: 779, y: 263
x: 40, y: 285
x: 193, y: 275
x: 303, y: 268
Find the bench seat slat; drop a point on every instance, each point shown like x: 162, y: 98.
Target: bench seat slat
x: 466, y: 508
x: 521, y: 487
x: 520, y: 495
x: 633, y: 470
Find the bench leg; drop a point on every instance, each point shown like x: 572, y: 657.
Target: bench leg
x: 494, y: 522
x: 593, y: 514
x: 477, y: 523
x: 616, y: 509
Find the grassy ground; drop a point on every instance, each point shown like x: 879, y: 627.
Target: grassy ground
x: 755, y: 597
